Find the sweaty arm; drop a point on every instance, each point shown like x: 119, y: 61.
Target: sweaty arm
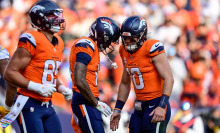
x: 162, y: 65
x: 19, y: 61
x: 80, y: 70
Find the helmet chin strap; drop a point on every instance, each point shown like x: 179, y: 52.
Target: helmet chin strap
x: 113, y: 64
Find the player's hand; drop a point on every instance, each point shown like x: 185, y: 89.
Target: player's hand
x: 67, y: 92
x: 114, y: 120
x: 103, y: 108
x: 158, y: 114
x: 3, y: 112
x: 43, y: 89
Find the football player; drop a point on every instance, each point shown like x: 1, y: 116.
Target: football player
x: 145, y: 64
x: 85, y: 63
x: 34, y: 68
x: 11, y: 90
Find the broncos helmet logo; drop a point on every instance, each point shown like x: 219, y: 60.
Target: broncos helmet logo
x: 37, y: 7
x: 108, y: 26
x: 142, y: 23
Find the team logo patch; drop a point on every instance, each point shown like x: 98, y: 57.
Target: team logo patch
x: 37, y: 7
x: 108, y: 26
x: 142, y: 23
x: 18, y: 105
x: 31, y: 109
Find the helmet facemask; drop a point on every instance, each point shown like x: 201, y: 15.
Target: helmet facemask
x: 55, y: 21
x: 135, y: 45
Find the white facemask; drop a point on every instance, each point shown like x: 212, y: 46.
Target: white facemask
x: 55, y: 29
x: 132, y: 47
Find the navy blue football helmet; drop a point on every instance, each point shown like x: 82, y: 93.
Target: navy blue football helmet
x: 39, y: 16
x: 134, y: 27
x: 105, y: 31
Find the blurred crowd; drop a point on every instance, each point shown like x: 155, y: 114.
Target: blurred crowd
x: 189, y: 30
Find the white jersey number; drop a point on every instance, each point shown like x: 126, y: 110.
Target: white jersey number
x: 136, y: 71
x: 50, y: 69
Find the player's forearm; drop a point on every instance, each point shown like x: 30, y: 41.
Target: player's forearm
x: 84, y: 89
x: 80, y: 71
x: 15, y: 78
x: 123, y: 92
x: 10, y: 94
x: 167, y: 86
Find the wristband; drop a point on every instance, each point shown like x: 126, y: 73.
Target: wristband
x: 163, y: 101
x: 119, y: 111
x: 119, y: 104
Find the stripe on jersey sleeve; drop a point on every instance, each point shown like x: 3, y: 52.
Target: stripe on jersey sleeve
x: 27, y: 37
x: 157, y: 47
x: 85, y: 43
x: 83, y: 58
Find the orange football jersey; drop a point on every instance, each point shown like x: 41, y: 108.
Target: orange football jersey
x: 147, y: 81
x: 45, y: 61
x: 88, y: 46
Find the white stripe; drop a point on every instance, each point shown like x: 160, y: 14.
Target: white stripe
x: 88, y: 42
x: 29, y: 37
x: 158, y: 127
x: 23, y: 123
x: 87, y: 118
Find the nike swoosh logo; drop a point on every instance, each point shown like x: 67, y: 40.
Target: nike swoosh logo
x: 151, y: 106
x: 157, y: 45
x: 29, y: 36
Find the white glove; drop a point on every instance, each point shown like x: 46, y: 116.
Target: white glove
x: 43, y: 89
x: 103, y: 108
x: 67, y: 92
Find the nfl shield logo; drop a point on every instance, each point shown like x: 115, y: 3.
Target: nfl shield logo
x: 54, y: 50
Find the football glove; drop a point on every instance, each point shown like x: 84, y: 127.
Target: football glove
x: 3, y: 112
x: 103, y: 108
x: 43, y: 89
x: 67, y: 92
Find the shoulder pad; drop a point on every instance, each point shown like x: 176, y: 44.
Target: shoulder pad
x: 157, y: 46
x: 85, y: 43
x: 28, y: 37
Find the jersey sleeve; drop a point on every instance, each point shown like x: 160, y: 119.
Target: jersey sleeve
x: 155, y: 48
x: 28, y: 42
x: 84, y: 51
x: 4, y: 54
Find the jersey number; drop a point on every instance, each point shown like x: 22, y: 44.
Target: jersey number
x: 50, y: 69
x: 136, y: 71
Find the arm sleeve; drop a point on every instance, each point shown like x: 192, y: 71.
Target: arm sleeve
x: 84, y: 52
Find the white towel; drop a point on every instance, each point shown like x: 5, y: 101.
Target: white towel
x: 12, y: 115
